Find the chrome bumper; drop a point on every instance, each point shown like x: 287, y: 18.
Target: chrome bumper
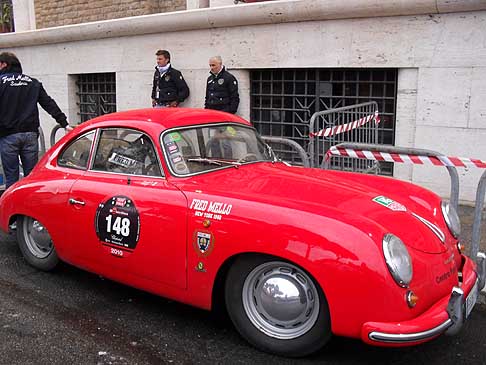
x: 455, y: 309
x: 410, y: 337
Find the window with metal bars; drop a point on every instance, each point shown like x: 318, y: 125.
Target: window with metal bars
x: 97, y: 94
x: 283, y: 100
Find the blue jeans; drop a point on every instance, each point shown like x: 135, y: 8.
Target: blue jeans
x: 24, y: 145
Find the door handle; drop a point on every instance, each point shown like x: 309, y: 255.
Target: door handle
x: 74, y: 201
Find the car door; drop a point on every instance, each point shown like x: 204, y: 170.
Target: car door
x: 127, y: 221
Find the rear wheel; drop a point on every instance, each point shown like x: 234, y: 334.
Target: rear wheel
x: 277, y: 306
x: 36, y: 244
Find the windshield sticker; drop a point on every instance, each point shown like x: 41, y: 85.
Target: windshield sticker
x: 175, y: 136
x: 231, y: 131
x: 117, y: 222
x: 176, y: 159
x: 172, y: 147
x: 390, y: 204
x: 208, y: 209
x: 203, y: 243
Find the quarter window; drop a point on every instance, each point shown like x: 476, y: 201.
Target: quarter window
x: 126, y: 151
x: 76, y: 155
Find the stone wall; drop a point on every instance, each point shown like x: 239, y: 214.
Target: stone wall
x: 53, y: 13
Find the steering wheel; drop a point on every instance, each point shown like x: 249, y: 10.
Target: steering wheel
x: 247, y: 158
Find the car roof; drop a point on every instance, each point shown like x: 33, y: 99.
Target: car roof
x: 160, y: 119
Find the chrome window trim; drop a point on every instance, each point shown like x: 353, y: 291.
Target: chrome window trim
x: 65, y: 147
x: 96, y: 144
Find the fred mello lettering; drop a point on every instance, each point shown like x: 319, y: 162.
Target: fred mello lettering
x: 210, y: 207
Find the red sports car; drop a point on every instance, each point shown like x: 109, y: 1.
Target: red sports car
x: 192, y: 205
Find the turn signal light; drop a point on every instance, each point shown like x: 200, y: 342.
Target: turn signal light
x: 412, y: 299
x: 460, y: 247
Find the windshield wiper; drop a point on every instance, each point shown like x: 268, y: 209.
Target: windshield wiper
x: 211, y: 161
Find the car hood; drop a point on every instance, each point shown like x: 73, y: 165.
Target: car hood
x: 406, y: 210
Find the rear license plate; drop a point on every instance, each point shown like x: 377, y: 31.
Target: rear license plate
x: 471, y: 299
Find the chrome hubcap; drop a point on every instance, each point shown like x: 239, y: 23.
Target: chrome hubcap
x: 280, y: 300
x: 37, y: 238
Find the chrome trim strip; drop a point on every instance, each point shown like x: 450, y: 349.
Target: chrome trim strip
x: 410, y: 337
x: 438, y: 232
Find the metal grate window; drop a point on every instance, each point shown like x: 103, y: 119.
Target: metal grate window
x: 283, y: 100
x: 97, y: 95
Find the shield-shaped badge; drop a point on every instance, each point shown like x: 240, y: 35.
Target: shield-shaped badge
x: 203, y: 243
x: 221, y: 81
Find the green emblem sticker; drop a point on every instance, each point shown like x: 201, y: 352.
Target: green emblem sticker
x: 175, y: 136
x: 231, y: 131
x: 390, y: 204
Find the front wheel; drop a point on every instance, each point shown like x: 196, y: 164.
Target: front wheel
x: 277, y: 306
x: 35, y: 243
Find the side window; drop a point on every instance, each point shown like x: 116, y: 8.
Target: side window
x: 77, y: 153
x: 126, y: 151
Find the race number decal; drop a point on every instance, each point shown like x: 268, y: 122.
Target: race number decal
x: 118, y: 222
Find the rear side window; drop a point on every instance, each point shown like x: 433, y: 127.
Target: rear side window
x: 126, y: 151
x: 76, y: 155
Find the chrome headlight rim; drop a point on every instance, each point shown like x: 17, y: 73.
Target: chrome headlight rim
x: 451, y: 218
x: 403, y: 279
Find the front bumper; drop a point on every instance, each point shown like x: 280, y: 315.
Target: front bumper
x: 447, y: 315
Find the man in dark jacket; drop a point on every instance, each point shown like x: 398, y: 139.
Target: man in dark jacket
x: 19, y: 117
x: 169, y: 87
x: 221, y: 88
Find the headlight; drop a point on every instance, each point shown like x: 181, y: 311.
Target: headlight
x: 451, y: 218
x: 397, y: 259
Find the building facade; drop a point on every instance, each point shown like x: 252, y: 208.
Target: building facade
x: 423, y: 61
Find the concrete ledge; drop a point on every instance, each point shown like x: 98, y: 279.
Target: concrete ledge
x: 238, y: 15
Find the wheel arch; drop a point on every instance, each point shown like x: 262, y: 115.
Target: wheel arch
x: 217, y: 295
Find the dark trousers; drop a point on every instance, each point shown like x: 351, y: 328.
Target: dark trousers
x: 24, y: 145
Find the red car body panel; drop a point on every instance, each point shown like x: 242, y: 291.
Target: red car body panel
x: 323, y: 221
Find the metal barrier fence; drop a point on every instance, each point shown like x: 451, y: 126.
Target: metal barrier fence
x: 376, y: 152
x: 352, y: 123
x: 476, y: 230
x: 278, y: 145
x: 421, y: 156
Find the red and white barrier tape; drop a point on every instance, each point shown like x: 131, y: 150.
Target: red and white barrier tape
x: 331, y: 131
x: 406, y: 158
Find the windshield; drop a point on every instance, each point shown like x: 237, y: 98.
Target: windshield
x: 206, y: 148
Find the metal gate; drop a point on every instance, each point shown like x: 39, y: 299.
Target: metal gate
x: 284, y: 100
x: 354, y: 123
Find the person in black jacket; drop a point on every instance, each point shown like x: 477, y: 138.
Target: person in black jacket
x: 169, y: 87
x: 19, y: 117
x: 221, y: 88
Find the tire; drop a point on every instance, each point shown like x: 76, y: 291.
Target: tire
x: 35, y: 244
x: 294, y: 324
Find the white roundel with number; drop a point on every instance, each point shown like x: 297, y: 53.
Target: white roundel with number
x: 117, y: 222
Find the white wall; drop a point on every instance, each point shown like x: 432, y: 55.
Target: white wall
x: 441, y: 59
